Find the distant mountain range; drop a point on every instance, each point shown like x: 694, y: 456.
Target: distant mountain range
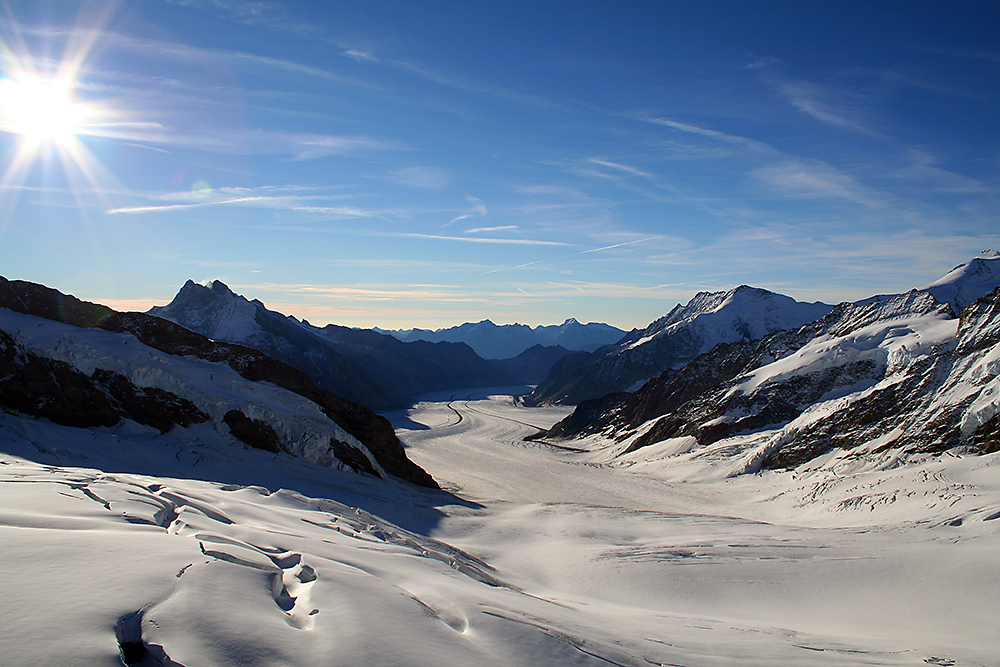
x: 492, y: 341
x: 889, y: 376
x: 361, y: 365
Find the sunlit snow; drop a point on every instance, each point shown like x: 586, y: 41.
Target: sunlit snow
x: 533, y: 556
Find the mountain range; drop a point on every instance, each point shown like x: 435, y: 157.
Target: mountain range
x: 84, y: 365
x: 891, y: 376
x: 710, y: 318
x: 359, y: 364
x: 492, y: 341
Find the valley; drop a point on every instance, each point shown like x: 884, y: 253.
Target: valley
x: 529, y: 553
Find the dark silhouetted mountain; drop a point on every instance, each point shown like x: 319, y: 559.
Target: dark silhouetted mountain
x: 532, y: 365
x: 492, y: 341
x: 360, y: 364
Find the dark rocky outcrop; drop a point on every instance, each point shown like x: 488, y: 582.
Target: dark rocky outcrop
x: 353, y: 458
x: 254, y: 432
x: 50, y: 389
x: 372, y: 430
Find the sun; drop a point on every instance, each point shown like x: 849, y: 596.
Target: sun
x: 44, y: 124
x: 43, y: 111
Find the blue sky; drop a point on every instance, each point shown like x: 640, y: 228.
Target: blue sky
x: 428, y: 163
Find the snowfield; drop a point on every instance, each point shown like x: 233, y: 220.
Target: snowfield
x: 115, y: 539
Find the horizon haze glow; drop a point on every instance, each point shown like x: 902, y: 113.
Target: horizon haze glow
x: 402, y: 165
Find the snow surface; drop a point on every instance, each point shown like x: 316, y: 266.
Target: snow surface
x: 891, y: 344
x: 220, y: 555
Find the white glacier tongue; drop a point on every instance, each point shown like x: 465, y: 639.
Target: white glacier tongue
x: 209, y: 558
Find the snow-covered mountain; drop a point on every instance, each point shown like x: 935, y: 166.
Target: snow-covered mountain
x: 710, y: 318
x: 876, y: 381
x: 492, y: 341
x: 362, y: 365
x: 84, y: 365
x: 967, y: 282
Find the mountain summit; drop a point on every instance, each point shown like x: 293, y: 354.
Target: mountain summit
x: 710, y: 318
x: 362, y: 365
x: 967, y: 282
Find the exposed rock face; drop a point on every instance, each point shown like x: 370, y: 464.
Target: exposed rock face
x: 372, y: 430
x: 353, y: 457
x: 741, y: 314
x: 362, y: 365
x: 889, y: 373
x: 36, y: 386
x: 254, y: 432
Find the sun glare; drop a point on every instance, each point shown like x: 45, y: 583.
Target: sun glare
x: 42, y: 111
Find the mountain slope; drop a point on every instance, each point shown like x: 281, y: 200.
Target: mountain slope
x: 361, y: 365
x: 901, y: 376
x: 491, y: 341
x: 83, y: 364
x: 710, y: 318
x: 534, y: 364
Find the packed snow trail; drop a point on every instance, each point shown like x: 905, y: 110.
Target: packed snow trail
x: 161, y: 549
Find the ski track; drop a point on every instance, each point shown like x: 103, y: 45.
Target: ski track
x: 554, y: 560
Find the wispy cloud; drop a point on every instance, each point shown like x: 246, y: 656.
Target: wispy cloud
x: 478, y: 210
x: 197, y: 56
x: 617, y: 245
x: 362, y: 56
x: 752, y: 144
x: 287, y: 198
x: 428, y: 178
x: 825, y: 104
x: 249, y: 12
x: 620, y: 167
x: 502, y: 228
x: 479, y: 239
x: 801, y: 178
